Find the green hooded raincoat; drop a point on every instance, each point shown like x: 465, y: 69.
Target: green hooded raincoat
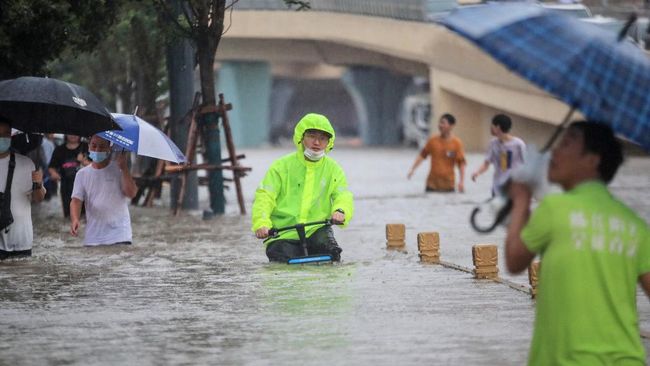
x: 296, y: 190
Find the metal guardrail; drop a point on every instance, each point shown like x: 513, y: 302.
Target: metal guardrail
x: 416, y: 10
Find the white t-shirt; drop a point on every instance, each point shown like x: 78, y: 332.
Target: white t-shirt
x: 107, y: 208
x: 505, y: 156
x: 20, y: 235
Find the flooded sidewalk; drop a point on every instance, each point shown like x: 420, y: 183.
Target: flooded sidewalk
x: 190, y: 291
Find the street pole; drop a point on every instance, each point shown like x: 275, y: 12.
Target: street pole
x: 180, y: 68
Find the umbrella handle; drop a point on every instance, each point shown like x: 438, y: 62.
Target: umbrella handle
x: 502, y: 214
x: 558, y: 130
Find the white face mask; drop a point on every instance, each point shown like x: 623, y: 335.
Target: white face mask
x: 313, y: 155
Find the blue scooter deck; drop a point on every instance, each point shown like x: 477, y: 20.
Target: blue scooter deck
x: 310, y: 259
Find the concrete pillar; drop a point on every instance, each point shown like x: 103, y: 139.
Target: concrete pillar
x: 396, y: 236
x: 377, y: 95
x: 209, y: 124
x: 180, y: 66
x: 247, y: 85
x: 485, y: 258
x: 470, y: 117
x: 282, y: 92
x: 429, y: 247
x: 533, y: 277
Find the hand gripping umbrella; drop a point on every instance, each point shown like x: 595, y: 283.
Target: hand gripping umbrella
x: 589, y: 68
x: 34, y: 104
x: 141, y: 137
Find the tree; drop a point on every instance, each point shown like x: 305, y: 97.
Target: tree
x: 202, y: 22
x: 127, y: 68
x: 35, y: 32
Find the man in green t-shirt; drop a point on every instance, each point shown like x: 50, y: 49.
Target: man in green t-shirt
x: 594, y: 250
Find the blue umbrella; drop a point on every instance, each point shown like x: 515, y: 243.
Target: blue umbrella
x: 139, y: 136
x: 581, y: 64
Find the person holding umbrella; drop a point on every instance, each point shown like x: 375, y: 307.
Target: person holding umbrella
x: 594, y: 252
x: 20, y: 183
x: 594, y: 249
x: 105, y: 188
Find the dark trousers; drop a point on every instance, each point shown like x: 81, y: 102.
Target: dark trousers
x: 429, y: 190
x: 51, y: 187
x: 17, y: 253
x: 66, y: 193
x: 321, y: 242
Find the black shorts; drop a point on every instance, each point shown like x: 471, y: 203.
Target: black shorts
x: 320, y: 242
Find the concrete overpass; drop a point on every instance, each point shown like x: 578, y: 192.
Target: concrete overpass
x: 375, y: 56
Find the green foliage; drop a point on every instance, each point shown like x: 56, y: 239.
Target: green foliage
x: 128, y: 65
x: 34, y: 32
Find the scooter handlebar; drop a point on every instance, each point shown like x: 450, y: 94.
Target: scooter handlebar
x: 273, y: 232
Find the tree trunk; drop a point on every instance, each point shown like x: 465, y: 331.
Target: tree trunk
x: 208, y: 31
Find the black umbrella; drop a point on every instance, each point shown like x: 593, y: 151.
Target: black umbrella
x: 24, y: 143
x: 46, y: 105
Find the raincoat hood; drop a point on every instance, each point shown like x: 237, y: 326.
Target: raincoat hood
x: 313, y: 121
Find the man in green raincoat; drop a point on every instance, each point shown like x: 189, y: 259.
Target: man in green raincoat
x: 301, y: 187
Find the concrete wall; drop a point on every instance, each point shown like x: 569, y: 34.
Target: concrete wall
x: 464, y: 81
x: 473, y: 121
x: 247, y: 85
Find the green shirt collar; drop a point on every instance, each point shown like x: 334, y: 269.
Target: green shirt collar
x: 589, y: 186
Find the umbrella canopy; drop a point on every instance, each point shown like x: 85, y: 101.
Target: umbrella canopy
x: 141, y: 137
x: 34, y: 104
x: 581, y: 64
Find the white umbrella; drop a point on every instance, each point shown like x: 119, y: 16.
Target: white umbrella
x: 141, y: 137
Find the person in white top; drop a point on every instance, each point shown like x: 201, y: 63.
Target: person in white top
x: 505, y: 152
x: 26, y: 185
x: 105, y: 187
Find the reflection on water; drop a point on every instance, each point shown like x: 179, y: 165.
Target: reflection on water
x: 202, y: 292
x: 304, y: 308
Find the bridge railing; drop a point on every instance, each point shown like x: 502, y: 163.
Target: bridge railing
x: 416, y: 10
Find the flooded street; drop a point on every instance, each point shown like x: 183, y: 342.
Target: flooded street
x: 190, y: 291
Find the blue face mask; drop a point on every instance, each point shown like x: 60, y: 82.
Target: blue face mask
x: 97, y: 156
x: 5, y: 144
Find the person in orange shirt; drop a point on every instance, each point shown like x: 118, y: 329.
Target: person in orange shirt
x: 446, y: 151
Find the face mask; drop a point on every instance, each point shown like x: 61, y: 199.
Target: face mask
x: 97, y: 156
x: 5, y: 143
x: 314, y: 155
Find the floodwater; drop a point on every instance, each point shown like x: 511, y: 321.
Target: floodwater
x: 202, y: 292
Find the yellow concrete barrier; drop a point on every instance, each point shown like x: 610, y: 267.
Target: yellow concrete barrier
x: 533, y: 275
x: 485, y: 258
x: 429, y: 247
x: 395, y: 236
